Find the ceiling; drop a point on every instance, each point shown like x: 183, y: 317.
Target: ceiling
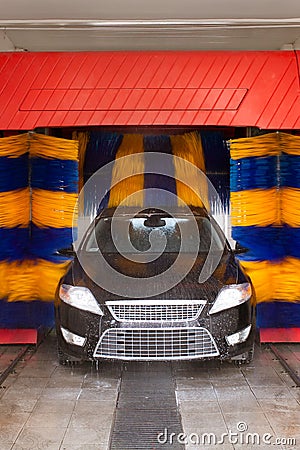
x: 66, y: 25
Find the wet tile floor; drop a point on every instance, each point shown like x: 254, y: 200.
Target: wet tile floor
x: 46, y: 406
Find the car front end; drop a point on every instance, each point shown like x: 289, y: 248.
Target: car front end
x: 192, y: 320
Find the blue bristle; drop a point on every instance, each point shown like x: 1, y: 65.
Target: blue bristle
x: 45, y: 242
x: 291, y: 237
x: 264, y: 243
x: 101, y: 149
x: 14, y: 173
x: 103, y: 203
x: 54, y: 174
x: 215, y: 151
x: 290, y: 170
x: 26, y: 314
x: 253, y: 173
x: 221, y: 183
x: 278, y: 315
x: 160, y: 144
x: 14, y: 243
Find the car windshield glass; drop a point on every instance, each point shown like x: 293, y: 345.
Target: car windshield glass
x: 154, y: 234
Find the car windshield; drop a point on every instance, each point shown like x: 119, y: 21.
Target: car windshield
x: 154, y: 234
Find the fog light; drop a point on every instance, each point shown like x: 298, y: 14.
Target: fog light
x: 239, y: 337
x: 72, y: 338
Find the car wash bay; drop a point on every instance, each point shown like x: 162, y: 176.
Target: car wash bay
x: 126, y: 405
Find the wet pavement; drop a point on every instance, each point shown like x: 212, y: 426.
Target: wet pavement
x: 46, y: 406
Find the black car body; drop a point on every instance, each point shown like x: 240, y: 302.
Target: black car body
x: 190, y: 320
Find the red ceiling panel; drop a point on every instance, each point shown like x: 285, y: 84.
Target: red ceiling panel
x: 17, y: 121
x: 66, y: 81
x: 275, y: 108
x: 27, y: 120
x: 82, y: 75
x: 70, y: 118
x: 149, y: 88
x: 97, y: 66
x: 121, y: 76
x: 235, y: 100
x: 60, y: 71
x: 54, y: 100
x: 85, y: 117
x: 45, y: 118
x: 136, y: 118
x: 44, y: 68
x: 133, y: 101
x: 97, y: 117
x: 109, y: 74
x: 293, y: 115
x: 92, y: 101
x: 80, y: 99
x: 58, y: 118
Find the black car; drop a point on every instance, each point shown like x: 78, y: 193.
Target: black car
x: 132, y: 301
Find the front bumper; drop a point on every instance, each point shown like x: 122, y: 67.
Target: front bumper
x: 156, y: 344
x: 202, y: 337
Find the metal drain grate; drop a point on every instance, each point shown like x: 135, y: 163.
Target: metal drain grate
x: 146, y: 407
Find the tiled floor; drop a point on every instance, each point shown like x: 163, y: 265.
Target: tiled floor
x: 256, y: 404
x: 46, y: 406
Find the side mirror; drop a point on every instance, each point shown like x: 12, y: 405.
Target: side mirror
x: 69, y: 252
x: 239, y: 249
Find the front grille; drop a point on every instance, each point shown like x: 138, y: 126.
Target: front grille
x: 155, y: 310
x: 146, y: 344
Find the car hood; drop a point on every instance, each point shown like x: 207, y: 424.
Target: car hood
x: 152, y: 276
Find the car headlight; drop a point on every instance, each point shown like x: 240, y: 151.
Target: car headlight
x: 79, y: 297
x: 230, y: 296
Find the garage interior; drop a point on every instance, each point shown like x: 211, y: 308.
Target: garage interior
x: 57, y: 132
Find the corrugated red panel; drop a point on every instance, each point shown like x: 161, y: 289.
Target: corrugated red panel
x: 149, y: 88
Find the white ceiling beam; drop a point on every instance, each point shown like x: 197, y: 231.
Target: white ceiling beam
x: 6, y: 44
x: 186, y: 24
x: 296, y: 44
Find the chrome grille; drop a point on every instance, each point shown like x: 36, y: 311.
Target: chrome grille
x: 155, y: 310
x: 156, y: 344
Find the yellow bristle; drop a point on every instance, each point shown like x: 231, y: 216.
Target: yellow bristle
x: 15, y: 208
x: 189, y: 148
x: 82, y: 137
x: 258, y: 207
x: 4, y: 281
x: 22, y: 283
x: 23, y: 280
x: 195, y: 151
x: 260, y: 273
x: 265, y: 145
x: 43, y: 146
x: 51, y: 273
x: 127, y: 183
x: 290, y: 144
x: 54, y: 209
x: 14, y: 146
x: 290, y: 206
x: 273, y: 281
x: 286, y: 280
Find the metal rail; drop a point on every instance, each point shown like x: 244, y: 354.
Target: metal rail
x: 13, y: 364
x: 292, y: 373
